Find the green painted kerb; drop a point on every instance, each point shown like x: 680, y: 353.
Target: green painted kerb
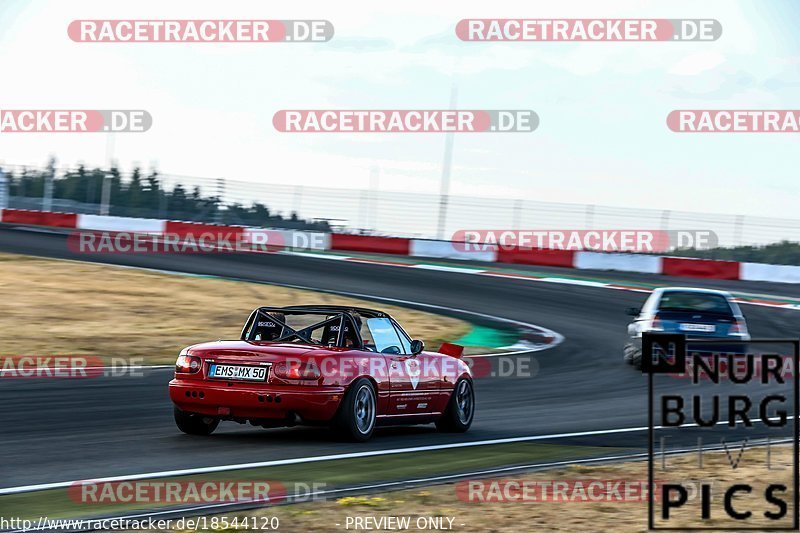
x: 488, y: 337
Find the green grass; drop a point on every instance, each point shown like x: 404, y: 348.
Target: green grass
x: 56, y: 503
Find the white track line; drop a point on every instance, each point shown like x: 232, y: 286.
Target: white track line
x: 14, y: 371
x: 499, y: 272
x: 338, y: 255
x: 201, y: 470
x: 557, y: 337
x: 394, y: 485
x: 315, y: 459
x: 335, y: 457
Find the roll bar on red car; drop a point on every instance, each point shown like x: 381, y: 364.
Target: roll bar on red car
x: 338, y: 315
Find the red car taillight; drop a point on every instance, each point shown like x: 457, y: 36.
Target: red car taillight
x: 655, y: 325
x: 295, y: 370
x: 738, y: 329
x: 188, y: 364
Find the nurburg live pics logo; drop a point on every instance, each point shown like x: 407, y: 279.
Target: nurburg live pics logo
x: 738, y: 501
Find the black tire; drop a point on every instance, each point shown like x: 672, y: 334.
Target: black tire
x: 627, y: 353
x: 636, y: 359
x: 358, y: 413
x: 195, y: 424
x: 457, y: 417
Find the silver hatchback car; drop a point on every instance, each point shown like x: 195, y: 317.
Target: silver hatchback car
x: 697, y: 313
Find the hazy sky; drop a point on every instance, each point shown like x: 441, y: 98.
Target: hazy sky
x: 602, y: 137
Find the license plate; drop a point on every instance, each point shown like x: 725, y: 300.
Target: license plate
x: 244, y: 373
x: 706, y: 328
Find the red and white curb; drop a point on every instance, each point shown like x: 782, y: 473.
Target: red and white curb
x: 740, y: 297
x: 432, y: 249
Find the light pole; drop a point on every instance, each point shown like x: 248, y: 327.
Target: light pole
x: 372, y: 206
x: 105, y: 192
x: 49, y: 176
x: 444, y: 189
x: 3, y: 189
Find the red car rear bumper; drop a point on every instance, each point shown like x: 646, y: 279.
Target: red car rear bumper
x: 243, y: 401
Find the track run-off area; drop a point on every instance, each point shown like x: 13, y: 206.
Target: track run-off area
x: 579, y: 390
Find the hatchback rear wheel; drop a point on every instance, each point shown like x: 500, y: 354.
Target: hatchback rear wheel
x: 628, y: 353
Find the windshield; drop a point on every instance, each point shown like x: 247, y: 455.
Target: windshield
x: 695, y: 301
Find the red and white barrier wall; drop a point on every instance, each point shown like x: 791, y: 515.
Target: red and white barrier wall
x: 106, y: 223
x: 308, y: 240
x: 623, y: 262
x: 650, y: 264
x: 38, y: 218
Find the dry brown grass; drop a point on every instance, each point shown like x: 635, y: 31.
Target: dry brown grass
x: 551, y: 516
x: 51, y: 307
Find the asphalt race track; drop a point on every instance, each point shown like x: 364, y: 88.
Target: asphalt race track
x: 60, y: 430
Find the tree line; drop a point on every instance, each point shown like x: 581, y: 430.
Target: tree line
x: 146, y: 196
x: 779, y: 253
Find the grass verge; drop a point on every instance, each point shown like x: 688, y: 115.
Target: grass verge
x: 329, y: 474
x: 576, y: 511
x: 56, y: 307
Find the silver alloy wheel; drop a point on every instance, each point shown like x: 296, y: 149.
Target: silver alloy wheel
x: 464, y: 401
x: 365, y: 409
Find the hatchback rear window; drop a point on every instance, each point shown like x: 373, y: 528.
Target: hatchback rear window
x: 696, y: 302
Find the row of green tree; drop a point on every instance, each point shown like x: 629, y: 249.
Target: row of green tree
x: 142, y: 195
x: 779, y: 253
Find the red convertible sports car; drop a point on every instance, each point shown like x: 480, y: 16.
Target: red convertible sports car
x: 348, y: 368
